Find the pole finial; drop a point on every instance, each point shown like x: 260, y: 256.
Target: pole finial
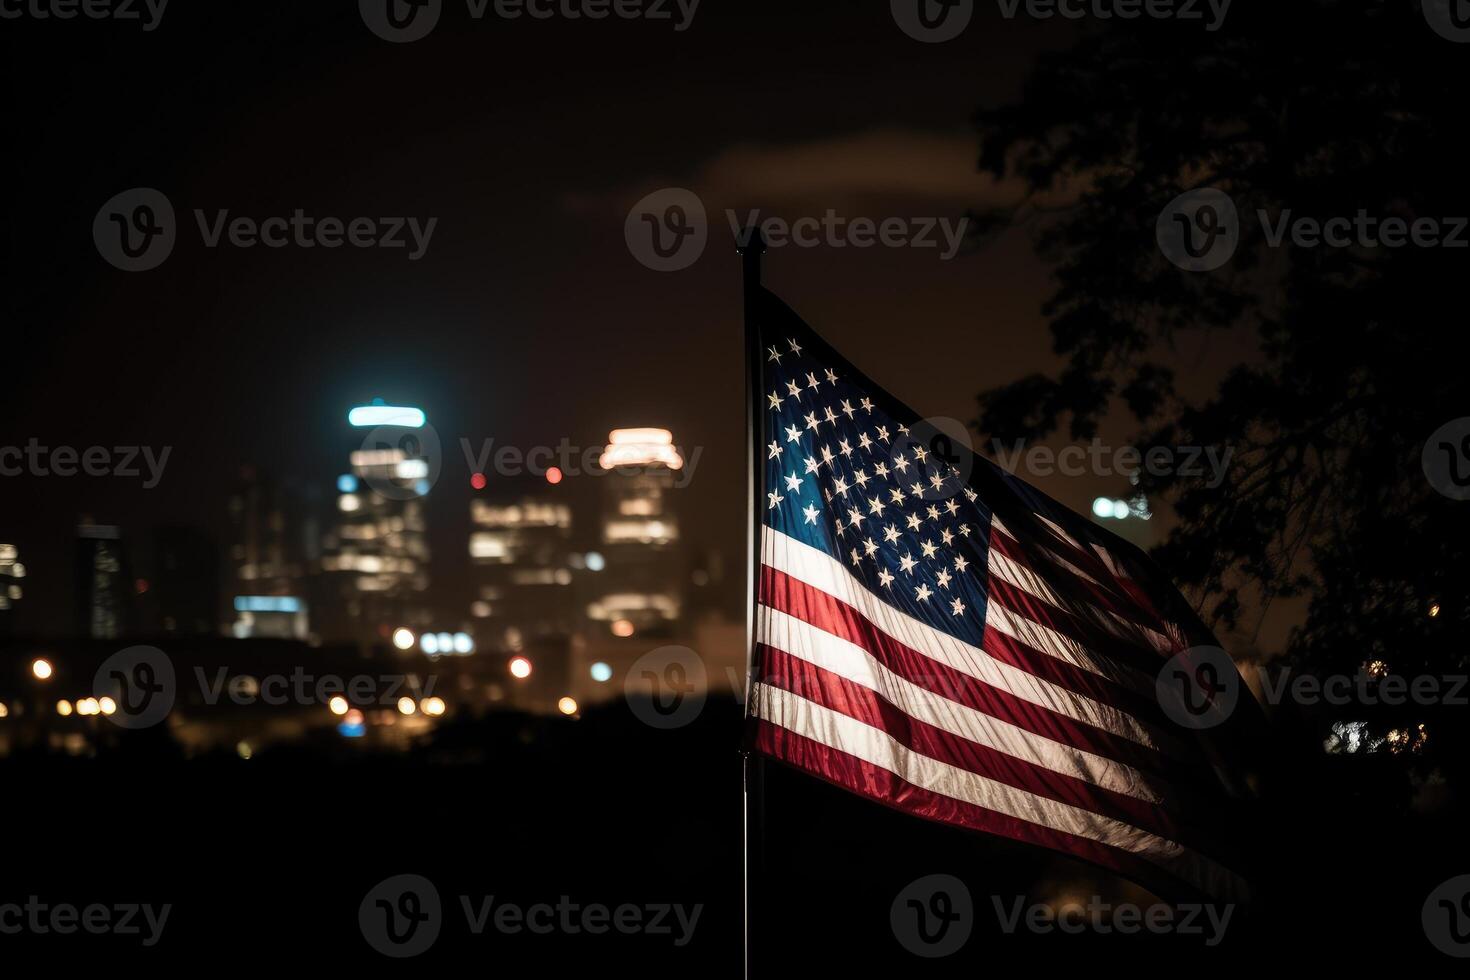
x: 751, y: 246
x: 751, y: 241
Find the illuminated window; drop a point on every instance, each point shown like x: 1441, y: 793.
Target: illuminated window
x: 640, y: 532
x: 489, y: 547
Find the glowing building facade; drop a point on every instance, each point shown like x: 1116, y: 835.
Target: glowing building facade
x: 521, y: 550
x: 12, y: 571
x: 640, y: 536
x: 375, y: 555
x: 525, y: 609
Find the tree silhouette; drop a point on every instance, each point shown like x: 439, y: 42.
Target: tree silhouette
x: 1352, y: 356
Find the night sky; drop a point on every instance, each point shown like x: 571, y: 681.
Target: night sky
x: 527, y: 320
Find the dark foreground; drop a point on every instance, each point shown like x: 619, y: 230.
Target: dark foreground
x: 266, y: 862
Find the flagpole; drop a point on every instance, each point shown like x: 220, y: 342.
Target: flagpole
x: 752, y: 247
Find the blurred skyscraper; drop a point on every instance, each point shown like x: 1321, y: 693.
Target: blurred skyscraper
x: 103, y: 585
x: 525, y: 606
x: 520, y: 544
x: 375, y: 555
x: 274, y: 541
x: 184, y: 592
x: 12, y: 571
x: 640, y: 536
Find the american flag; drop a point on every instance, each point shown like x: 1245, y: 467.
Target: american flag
x: 965, y: 649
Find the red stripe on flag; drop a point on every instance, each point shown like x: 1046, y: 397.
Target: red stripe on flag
x: 882, y: 786
x: 796, y: 598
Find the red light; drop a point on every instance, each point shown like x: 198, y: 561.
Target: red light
x: 141, y: 586
x: 553, y: 476
x: 478, y: 481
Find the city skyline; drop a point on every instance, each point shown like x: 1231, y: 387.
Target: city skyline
x: 487, y: 472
